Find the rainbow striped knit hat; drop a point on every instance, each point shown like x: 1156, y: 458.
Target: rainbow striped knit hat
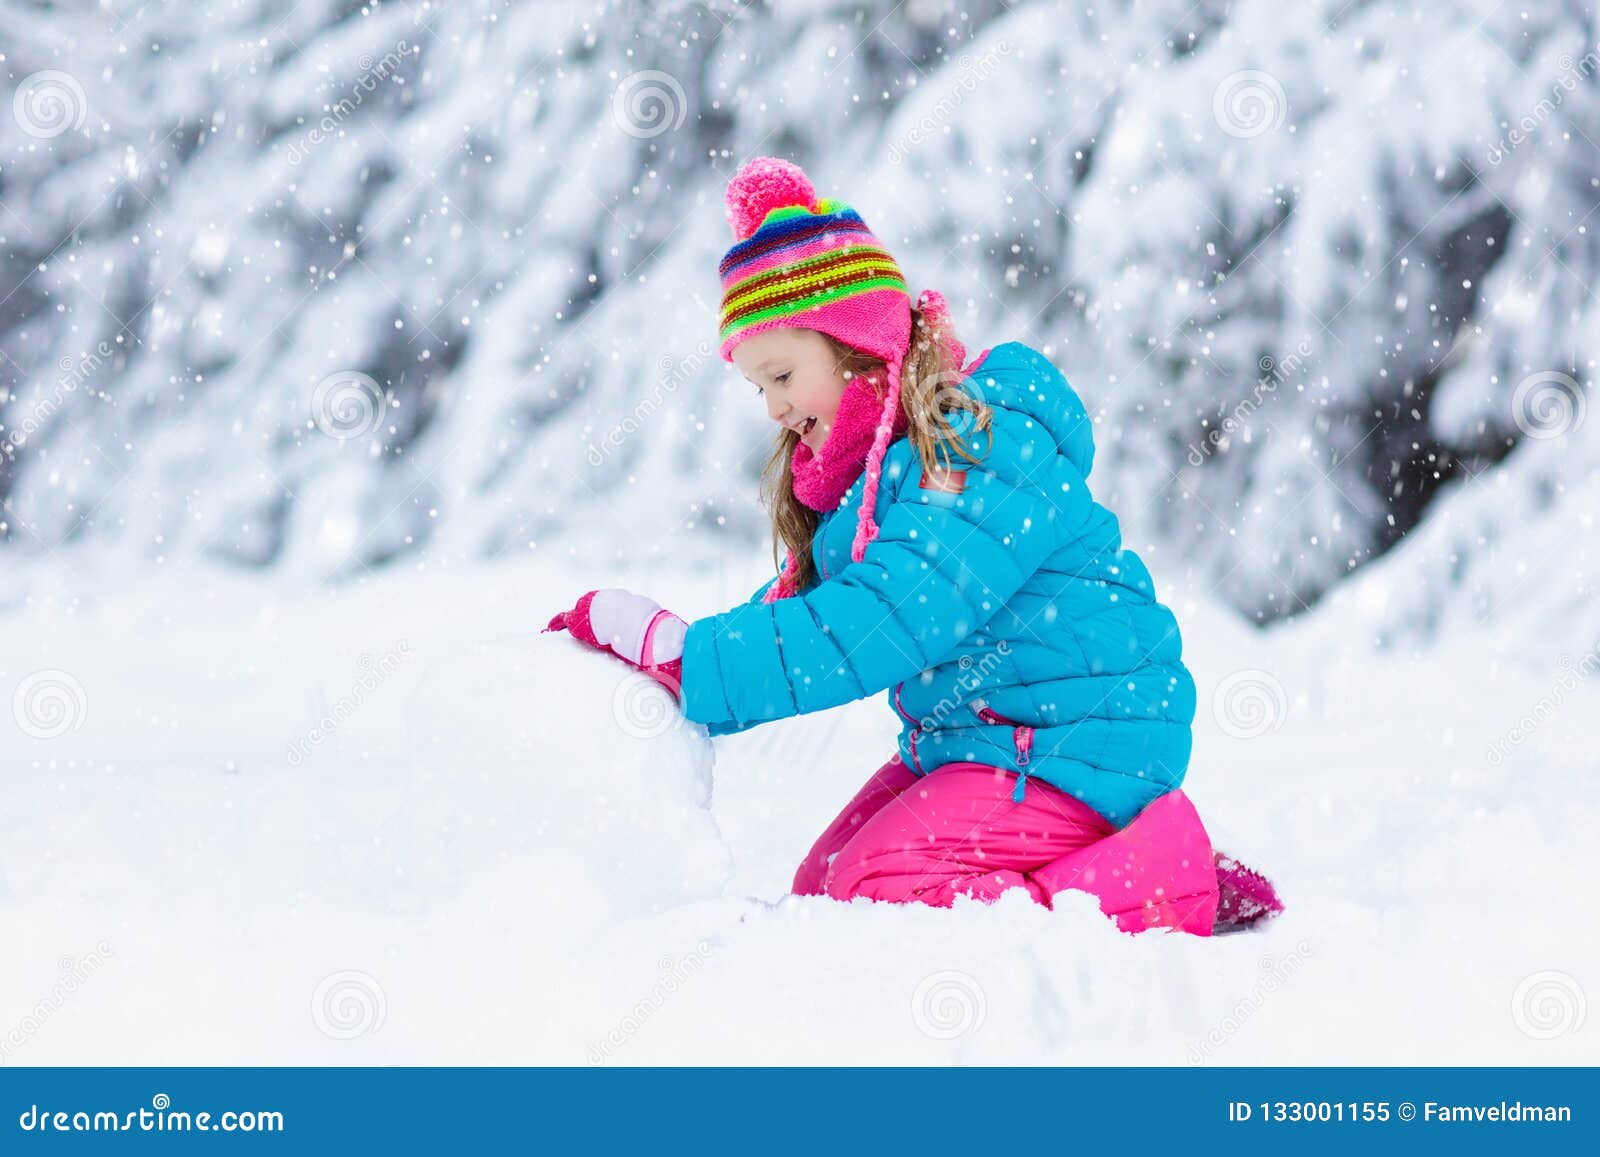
x: 812, y: 263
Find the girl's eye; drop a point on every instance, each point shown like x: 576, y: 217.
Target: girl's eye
x: 783, y: 377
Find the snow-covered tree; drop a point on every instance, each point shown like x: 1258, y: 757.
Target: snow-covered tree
x: 327, y: 287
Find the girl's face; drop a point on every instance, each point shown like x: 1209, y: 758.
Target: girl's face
x: 798, y: 375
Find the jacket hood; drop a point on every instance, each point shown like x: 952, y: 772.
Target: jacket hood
x: 1018, y: 377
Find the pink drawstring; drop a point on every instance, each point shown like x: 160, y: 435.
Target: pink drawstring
x: 867, y: 529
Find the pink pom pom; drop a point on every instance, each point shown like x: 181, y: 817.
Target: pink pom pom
x: 761, y: 185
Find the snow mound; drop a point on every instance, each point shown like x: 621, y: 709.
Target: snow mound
x: 592, y: 767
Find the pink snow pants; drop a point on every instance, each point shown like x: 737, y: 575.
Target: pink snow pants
x: 956, y: 830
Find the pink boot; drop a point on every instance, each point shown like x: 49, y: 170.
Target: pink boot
x: 1246, y: 896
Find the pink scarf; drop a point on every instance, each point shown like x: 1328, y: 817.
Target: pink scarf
x: 822, y: 477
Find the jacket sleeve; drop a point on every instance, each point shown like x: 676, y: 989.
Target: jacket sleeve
x: 731, y: 728
x: 941, y: 566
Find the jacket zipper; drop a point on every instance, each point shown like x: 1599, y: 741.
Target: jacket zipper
x: 916, y: 728
x: 1021, y: 738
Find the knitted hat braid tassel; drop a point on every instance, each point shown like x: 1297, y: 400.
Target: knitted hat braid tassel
x: 866, y: 528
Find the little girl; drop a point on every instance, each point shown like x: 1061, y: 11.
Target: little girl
x: 941, y: 547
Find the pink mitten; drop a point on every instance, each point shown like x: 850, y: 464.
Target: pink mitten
x: 632, y: 627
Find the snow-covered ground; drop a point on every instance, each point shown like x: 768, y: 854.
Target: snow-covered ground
x: 398, y: 825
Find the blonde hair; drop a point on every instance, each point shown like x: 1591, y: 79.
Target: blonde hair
x: 929, y: 389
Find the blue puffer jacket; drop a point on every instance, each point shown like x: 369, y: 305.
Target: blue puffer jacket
x: 1006, y: 622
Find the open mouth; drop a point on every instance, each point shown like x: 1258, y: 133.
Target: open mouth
x: 807, y: 426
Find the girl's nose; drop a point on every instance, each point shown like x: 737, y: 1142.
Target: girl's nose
x: 776, y: 407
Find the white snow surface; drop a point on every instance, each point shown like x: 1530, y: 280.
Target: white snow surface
x: 506, y: 849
